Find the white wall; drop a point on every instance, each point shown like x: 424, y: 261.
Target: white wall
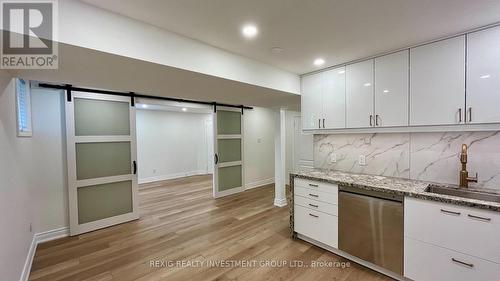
x: 172, y: 144
x: 259, y: 128
x: 15, y: 207
x: 32, y: 177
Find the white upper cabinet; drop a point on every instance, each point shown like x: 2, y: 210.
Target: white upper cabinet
x: 334, y: 98
x: 323, y: 100
x: 391, y: 90
x: 359, y: 95
x: 483, y: 76
x: 311, y: 101
x: 437, y: 83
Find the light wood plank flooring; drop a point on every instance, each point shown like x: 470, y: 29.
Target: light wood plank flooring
x: 180, y: 221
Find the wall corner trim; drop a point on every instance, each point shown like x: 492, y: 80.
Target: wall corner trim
x: 39, y: 238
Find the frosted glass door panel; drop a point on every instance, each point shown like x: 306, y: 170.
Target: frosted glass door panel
x: 105, y: 159
x: 230, y: 177
x: 98, y: 202
x: 102, y: 161
x: 101, y: 118
x: 229, y: 150
x: 228, y: 122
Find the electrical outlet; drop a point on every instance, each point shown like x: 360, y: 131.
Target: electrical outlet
x: 333, y: 157
x: 154, y: 171
x: 362, y: 160
x: 259, y: 140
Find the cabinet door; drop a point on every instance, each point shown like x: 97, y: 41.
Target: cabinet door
x: 334, y: 98
x: 359, y: 94
x: 391, y: 90
x: 483, y: 76
x: 437, y: 83
x: 311, y: 101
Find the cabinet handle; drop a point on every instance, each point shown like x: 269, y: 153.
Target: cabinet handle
x: 460, y: 115
x: 314, y: 185
x: 470, y: 114
x: 371, y: 120
x: 323, y: 123
x: 463, y: 263
x: 376, y: 119
x: 312, y: 205
x: 313, y: 195
x: 315, y: 216
x: 450, y: 212
x: 135, y: 167
x: 319, y: 123
x: 479, y: 218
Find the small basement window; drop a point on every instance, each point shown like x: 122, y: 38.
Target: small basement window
x: 23, y: 108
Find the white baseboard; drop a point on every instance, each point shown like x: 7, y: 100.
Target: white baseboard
x: 280, y: 202
x: 172, y: 176
x: 37, y: 239
x: 259, y: 183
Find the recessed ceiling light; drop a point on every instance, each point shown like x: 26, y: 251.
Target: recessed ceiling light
x: 319, y: 62
x: 184, y: 109
x: 486, y: 76
x: 367, y: 84
x: 276, y: 50
x: 341, y: 71
x: 249, y: 31
x: 386, y: 91
x: 144, y: 106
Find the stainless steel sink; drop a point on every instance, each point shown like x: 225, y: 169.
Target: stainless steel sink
x: 479, y: 194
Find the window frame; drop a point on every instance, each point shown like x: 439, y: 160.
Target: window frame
x: 28, y: 131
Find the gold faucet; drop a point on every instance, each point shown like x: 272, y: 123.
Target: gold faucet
x: 464, y: 175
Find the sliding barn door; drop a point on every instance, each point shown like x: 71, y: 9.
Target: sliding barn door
x: 102, y: 167
x: 228, y: 148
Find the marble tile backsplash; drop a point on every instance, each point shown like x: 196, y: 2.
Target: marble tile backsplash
x: 422, y: 156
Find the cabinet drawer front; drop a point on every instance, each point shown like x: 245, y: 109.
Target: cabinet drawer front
x: 425, y: 262
x: 316, y: 205
x: 331, y: 198
x: 316, y: 185
x: 467, y: 230
x: 316, y: 225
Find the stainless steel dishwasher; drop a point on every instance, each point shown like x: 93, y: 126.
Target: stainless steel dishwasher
x: 371, y: 227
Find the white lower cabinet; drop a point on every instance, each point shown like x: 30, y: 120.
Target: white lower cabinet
x: 319, y: 226
x: 316, y: 211
x: 426, y: 262
x: 467, y: 230
x: 450, y: 242
x: 331, y: 209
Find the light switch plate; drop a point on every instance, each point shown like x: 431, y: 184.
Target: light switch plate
x: 333, y: 158
x: 362, y: 160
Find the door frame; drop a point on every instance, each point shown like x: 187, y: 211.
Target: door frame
x: 216, y: 193
x: 74, y: 184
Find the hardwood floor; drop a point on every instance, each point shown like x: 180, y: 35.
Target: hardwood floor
x: 181, y: 222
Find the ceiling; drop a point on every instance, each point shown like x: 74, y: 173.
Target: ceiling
x: 336, y: 30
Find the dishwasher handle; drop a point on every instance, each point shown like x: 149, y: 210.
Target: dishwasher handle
x: 372, y: 193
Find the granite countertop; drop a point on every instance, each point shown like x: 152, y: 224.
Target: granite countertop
x: 405, y: 187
